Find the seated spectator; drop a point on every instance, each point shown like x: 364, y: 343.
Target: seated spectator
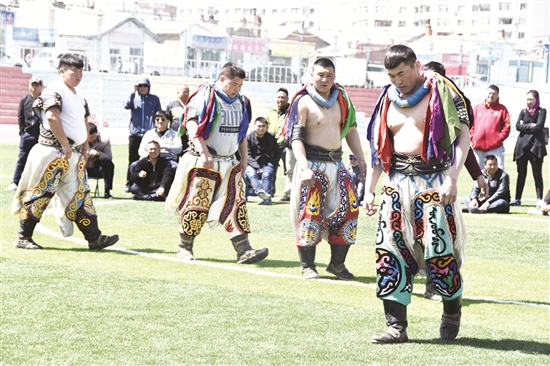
x: 544, y: 207
x: 498, y: 197
x: 263, y: 157
x: 355, y: 172
x: 100, y: 159
x: 170, y: 142
x: 152, y: 176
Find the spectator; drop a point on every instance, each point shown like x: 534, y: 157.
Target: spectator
x: 170, y: 143
x: 53, y: 168
x: 530, y: 146
x: 176, y: 111
x: 498, y: 197
x: 29, y: 129
x: 100, y: 159
x: 355, y: 172
x: 208, y: 185
x: 143, y: 107
x: 152, y: 176
x: 276, y: 121
x: 263, y: 157
x: 544, y: 207
x: 490, y: 128
x: 119, y: 65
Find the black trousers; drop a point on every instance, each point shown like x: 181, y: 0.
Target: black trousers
x: 536, y: 167
x: 26, y: 143
x: 133, y: 154
x: 103, y: 169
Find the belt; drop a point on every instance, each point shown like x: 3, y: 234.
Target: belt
x: 317, y: 153
x: 414, y: 164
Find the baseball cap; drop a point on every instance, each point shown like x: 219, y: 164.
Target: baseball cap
x: 35, y: 79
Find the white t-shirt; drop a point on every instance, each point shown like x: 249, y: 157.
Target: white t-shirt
x: 73, y: 112
x: 224, y: 137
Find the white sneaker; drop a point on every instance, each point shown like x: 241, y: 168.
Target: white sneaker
x: 540, y: 203
x: 11, y: 187
x: 534, y: 211
x: 263, y: 195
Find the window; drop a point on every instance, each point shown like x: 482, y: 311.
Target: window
x: 522, y: 21
x: 237, y: 11
x: 227, y: 11
x: 114, y: 52
x: 504, y: 20
x: 443, y: 22
x: 475, y: 7
x: 295, y: 11
x: 485, y: 7
x: 444, y: 8
x: 311, y: 11
x: 522, y: 6
x: 461, y: 8
x: 505, y: 6
x: 460, y: 22
x: 283, y: 11
x: 445, y: 34
x: 508, y: 34
x: 135, y: 51
x: 521, y: 34
x: 275, y: 11
x: 484, y: 21
x: 262, y: 12
x: 402, y: 10
x: 382, y: 9
x: 382, y: 23
x: 361, y: 24
x: 474, y: 21
x: 424, y: 9
x: 421, y: 22
x: 362, y: 10
x: 402, y: 23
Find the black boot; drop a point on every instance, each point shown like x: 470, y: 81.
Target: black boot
x: 24, y: 235
x: 185, y: 248
x: 450, y: 320
x: 396, y: 320
x: 337, y: 259
x: 87, y: 224
x: 245, y: 253
x: 307, y: 260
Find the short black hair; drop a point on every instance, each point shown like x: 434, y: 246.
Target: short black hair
x: 260, y: 119
x: 92, y: 128
x: 398, y: 54
x: 231, y: 70
x: 154, y: 142
x: 324, y: 62
x: 162, y: 114
x: 435, y: 66
x: 490, y: 157
x: 68, y: 60
x: 494, y: 87
x: 284, y: 90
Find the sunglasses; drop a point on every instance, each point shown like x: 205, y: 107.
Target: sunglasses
x: 143, y: 86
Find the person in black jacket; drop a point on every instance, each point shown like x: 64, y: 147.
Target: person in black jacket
x: 263, y: 157
x: 498, y: 198
x: 152, y: 176
x: 530, y: 146
x: 29, y: 129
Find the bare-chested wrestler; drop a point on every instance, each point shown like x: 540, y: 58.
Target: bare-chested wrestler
x: 323, y: 197
x: 419, y: 136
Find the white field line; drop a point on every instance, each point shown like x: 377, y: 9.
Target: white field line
x: 44, y: 230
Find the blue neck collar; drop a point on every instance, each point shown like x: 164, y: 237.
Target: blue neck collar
x: 327, y: 103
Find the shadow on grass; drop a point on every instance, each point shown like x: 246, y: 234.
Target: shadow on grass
x: 513, y: 345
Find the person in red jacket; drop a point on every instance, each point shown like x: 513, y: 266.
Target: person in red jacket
x: 491, y: 127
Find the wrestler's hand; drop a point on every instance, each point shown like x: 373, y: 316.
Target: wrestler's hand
x: 448, y: 191
x: 363, y: 167
x: 67, y: 152
x: 206, y: 160
x: 368, y: 202
x: 308, y: 178
x: 483, y: 187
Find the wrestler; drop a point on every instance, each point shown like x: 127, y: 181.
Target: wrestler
x: 323, y: 197
x: 56, y: 165
x: 209, y: 185
x: 419, y: 136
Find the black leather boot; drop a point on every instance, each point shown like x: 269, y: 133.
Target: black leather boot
x: 396, y: 320
x: 88, y: 226
x: 337, y: 259
x: 245, y: 253
x: 307, y: 260
x: 24, y: 235
x: 450, y: 320
x: 185, y: 248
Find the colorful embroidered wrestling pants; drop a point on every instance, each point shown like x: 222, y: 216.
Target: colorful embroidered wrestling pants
x: 417, y: 233
x: 327, y: 210
x: 216, y: 196
x: 48, y: 177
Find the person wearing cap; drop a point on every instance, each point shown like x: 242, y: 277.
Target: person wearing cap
x: 29, y: 128
x: 143, y: 105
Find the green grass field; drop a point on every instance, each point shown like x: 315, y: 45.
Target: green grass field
x: 137, y: 305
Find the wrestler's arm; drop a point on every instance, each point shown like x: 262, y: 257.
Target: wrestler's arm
x: 370, y: 184
x: 53, y: 115
x: 306, y: 175
x: 243, y: 152
x: 448, y: 190
x: 354, y: 143
x: 205, y: 158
